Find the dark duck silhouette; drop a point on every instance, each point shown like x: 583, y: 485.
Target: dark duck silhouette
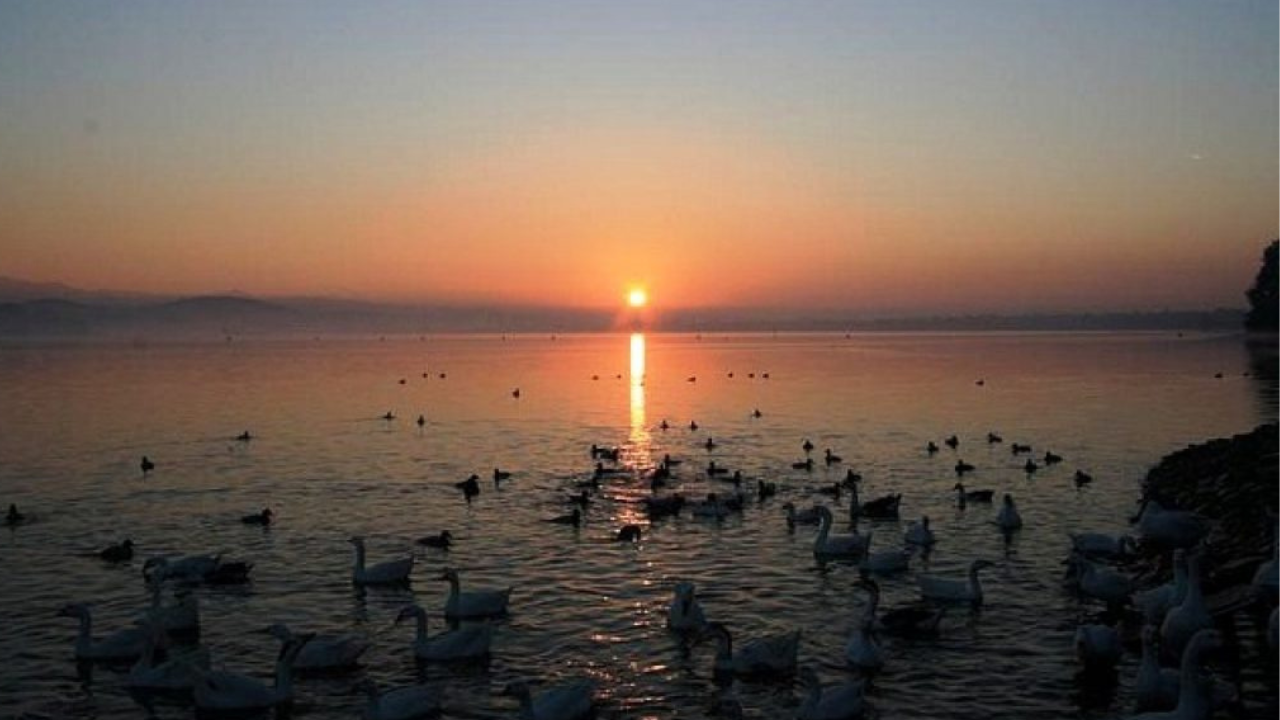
x: 1051, y: 458
x: 244, y: 436
x: 1018, y: 448
x: 993, y: 438
x: 952, y: 442
x: 807, y: 446
x: 1030, y: 466
x: 574, y: 518
x: 629, y: 533
x: 13, y: 517
x: 146, y: 465
x: 442, y: 541
x: 931, y: 448
x: 422, y: 420
x: 119, y: 552
x: 765, y: 490
x: 964, y: 496
x: 963, y: 467
x: 1082, y: 478
x: 831, y: 458
x: 806, y: 465
x: 500, y: 475
x: 469, y: 487
x: 262, y: 517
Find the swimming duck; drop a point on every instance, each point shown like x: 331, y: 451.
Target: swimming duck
x: 467, y: 642
x: 574, y: 518
x: 323, y: 652
x: 963, y: 467
x: 806, y: 465
x: 146, y: 465
x: 221, y: 691
x: 883, y: 508
x: 474, y: 604
x: 124, y: 644
x: 685, y: 613
x: 1051, y: 458
x: 408, y: 702
x: 244, y: 436
x: 1008, y: 519
x: 500, y: 475
x: 773, y: 655
x: 13, y: 517
x: 952, y: 442
x: 119, y: 552
x: 388, y: 415
x: 931, y: 447
x: 442, y: 541
x: 836, y: 547
x: 660, y: 506
x: 993, y: 438
x: 422, y: 420
x: 391, y: 572
x: 808, y: 516
x: 933, y: 587
x: 714, y: 470
x: 259, y: 518
x: 572, y: 700
x: 831, y: 458
x: 908, y: 621
x: 1030, y: 467
x: 765, y: 490
x: 806, y: 446
x: 1018, y: 449
x: 709, y: 444
x: 1082, y: 478
x: 628, y: 533
x: 920, y: 534
x: 1189, y: 617
x: 839, y: 702
x: 470, y: 487
x: 964, y: 496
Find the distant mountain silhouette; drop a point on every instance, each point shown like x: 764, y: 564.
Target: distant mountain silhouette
x: 71, y: 312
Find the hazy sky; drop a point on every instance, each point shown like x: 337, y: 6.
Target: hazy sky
x: 875, y: 156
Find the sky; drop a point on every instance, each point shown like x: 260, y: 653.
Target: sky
x: 866, y: 157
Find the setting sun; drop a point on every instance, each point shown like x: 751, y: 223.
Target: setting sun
x: 637, y: 298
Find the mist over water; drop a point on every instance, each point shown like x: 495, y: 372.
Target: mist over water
x: 77, y: 418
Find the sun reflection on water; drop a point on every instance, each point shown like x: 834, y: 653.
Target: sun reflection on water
x: 639, y: 439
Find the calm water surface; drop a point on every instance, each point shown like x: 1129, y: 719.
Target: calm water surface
x: 75, y: 419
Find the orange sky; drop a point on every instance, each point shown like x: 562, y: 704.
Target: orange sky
x: 866, y: 158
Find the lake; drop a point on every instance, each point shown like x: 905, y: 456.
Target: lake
x: 76, y: 418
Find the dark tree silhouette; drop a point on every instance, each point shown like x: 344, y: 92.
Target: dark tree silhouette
x: 1263, y: 297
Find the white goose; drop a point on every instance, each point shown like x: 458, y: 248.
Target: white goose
x: 933, y: 587
x: 685, y: 613
x: 839, y: 702
x: 124, y: 644
x: 182, y: 617
x: 1194, y: 698
x: 1008, y: 519
x: 1099, y: 582
x: 468, y: 642
x: 569, y: 701
x: 392, y: 572
x: 1158, y: 601
x: 1188, y: 618
x: 1170, y: 528
x: 884, y: 562
x: 1098, y: 647
x: 1101, y: 545
x: 1155, y: 688
x: 863, y: 651
x: 221, y: 691
x: 178, y: 673
x: 836, y: 547
x: 473, y: 604
x: 408, y: 702
x: 920, y: 534
x: 772, y: 655
x: 323, y: 652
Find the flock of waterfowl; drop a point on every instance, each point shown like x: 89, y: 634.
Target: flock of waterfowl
x: 1176, y: 627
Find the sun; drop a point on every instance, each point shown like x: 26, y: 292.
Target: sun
x: 637, y: 298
